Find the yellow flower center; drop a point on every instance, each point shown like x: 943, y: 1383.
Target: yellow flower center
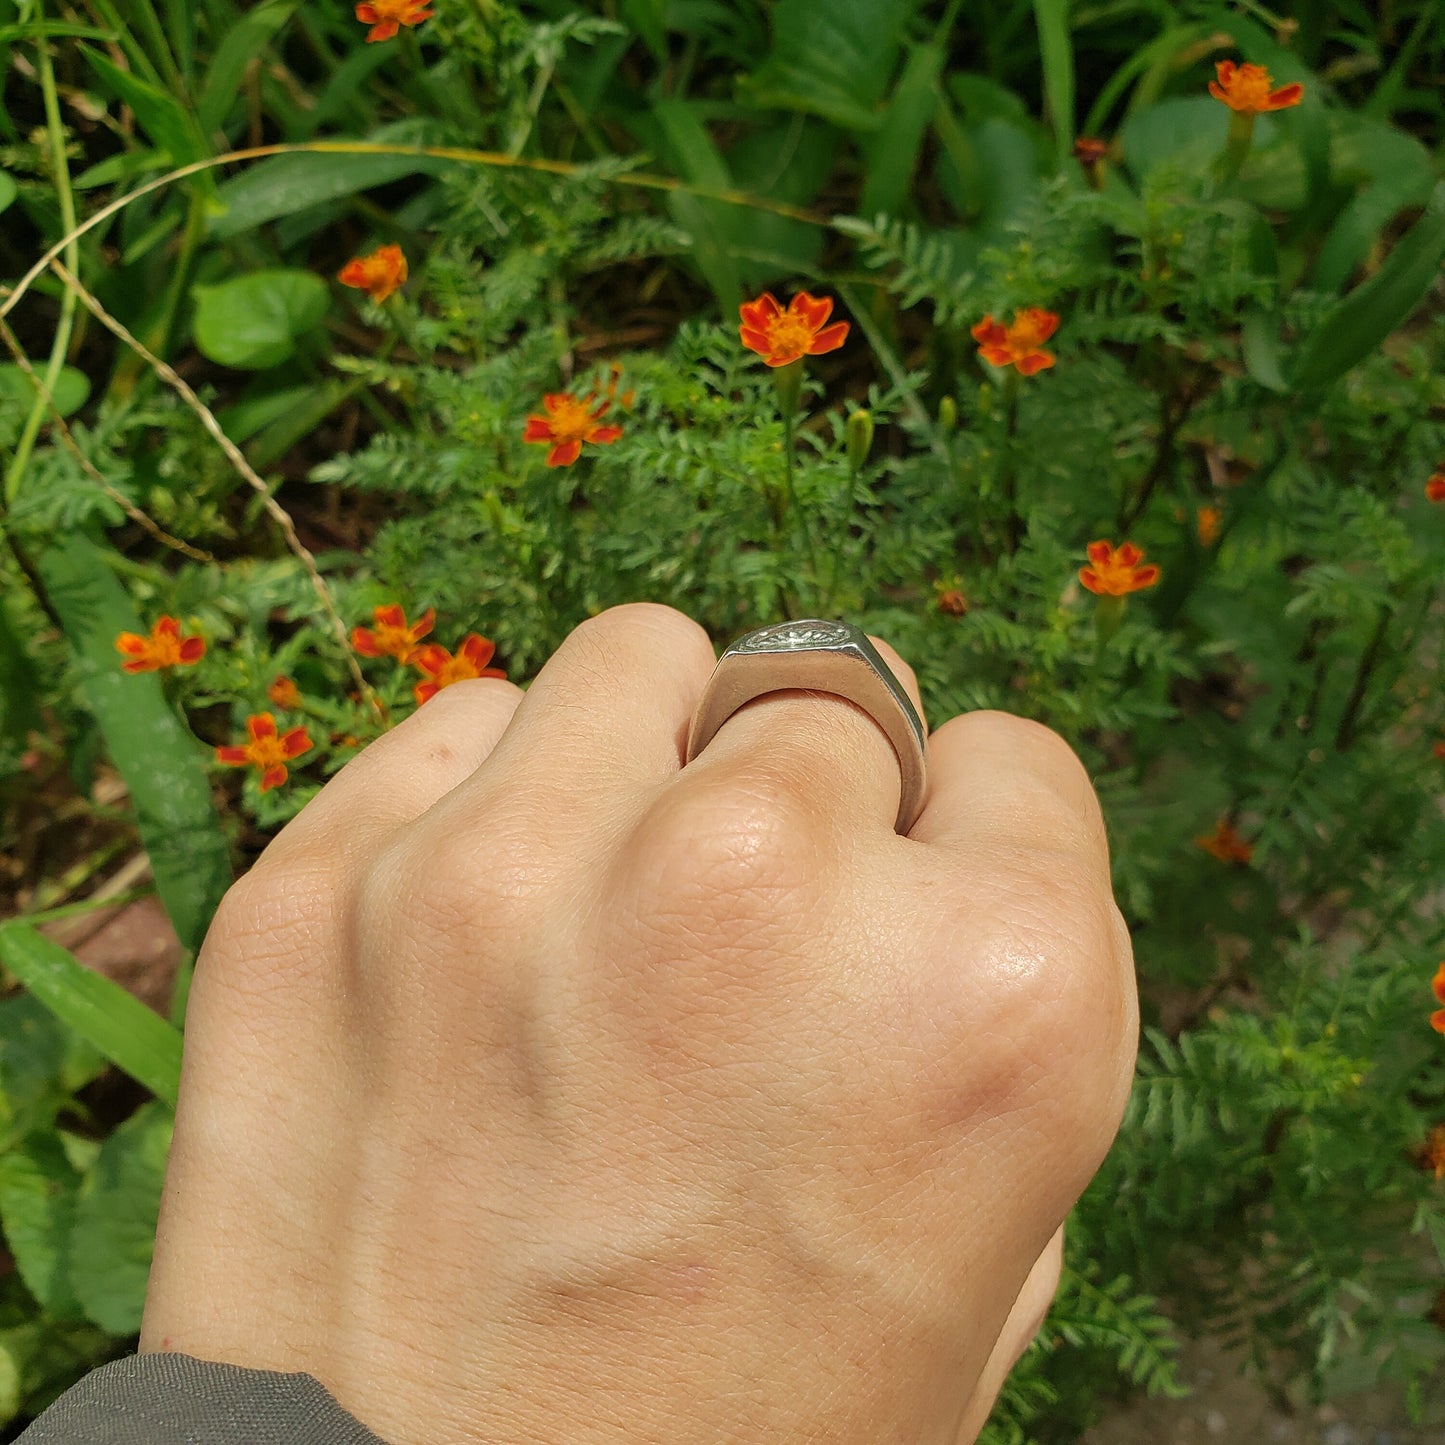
x: 455, y: 669
x: 266, y: 752
x: 570, y: 420
x: 1249, y: 89
x: 790, y: 336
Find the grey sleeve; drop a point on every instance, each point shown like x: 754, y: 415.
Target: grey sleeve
x: 169, y: 1399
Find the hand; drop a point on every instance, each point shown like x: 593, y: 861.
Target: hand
x: 538, y: 1089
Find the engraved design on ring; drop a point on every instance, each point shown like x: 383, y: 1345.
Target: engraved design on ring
x: 820, y: 655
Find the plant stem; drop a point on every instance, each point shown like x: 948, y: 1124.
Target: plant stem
x: 56, y: 133
x: 1349, y: 719
x: 1008, y: 476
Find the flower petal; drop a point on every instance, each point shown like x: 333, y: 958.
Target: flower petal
x: 1144, y: 577
x: 830, y: 338
x: 602, y: 435
x: 261, y: 726
x: 273, y: 777
x: 295, y: 742
x: 193, y: 649
x: 233, y: 756
x: 564, y: 454
x: 814, y: 310
x: 1035, y: 362
x: 1101, y: 553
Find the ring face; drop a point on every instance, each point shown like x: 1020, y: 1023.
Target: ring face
x: 792, y: 636
x: 819, y: 655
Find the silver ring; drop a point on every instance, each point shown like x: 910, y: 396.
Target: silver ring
x: 825, y: 656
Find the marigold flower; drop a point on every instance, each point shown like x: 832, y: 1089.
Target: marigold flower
x: 1117, y: 573
x: 284, y: 692
x: 1207, y: 519
x: 386, y: 16
x: 379, y: 274
x: 1437, y: 1019
x: 1435, y: 487
x: 783, y: 337
x: 443, y: 668
x: 952, y: 601
x: 392, y: 636
x: 1020, y: 344
x: 570, y: 422
x: 266, y: 750
x: 1225, y: 844
x: 1090, y: 150
x: 165, y: 647
x: 1246, y: 89
x: 1432, y: 1156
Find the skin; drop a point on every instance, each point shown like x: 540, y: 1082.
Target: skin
x: 539, y: 1088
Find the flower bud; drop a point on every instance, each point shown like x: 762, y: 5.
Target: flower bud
x: 947, y: 416
x: 860, y: 439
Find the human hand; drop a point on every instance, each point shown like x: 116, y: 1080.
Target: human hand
x: 537, y: 1088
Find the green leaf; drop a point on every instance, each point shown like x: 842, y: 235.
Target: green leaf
x: 890, y: 154
x: 72, y: 387
x: 134, y: 1039
x: 715, y: 227
x: 162, y: 117
x: 161, y: 762
x: 253, y: 322
x: 8, y: 189
x: 1398, y: 172
x: 1356, y: 325
x: 832, y: 60
x: 42, y: 1064
x: 18, y: 710
x: 115, y: 1220
x: 242, y: 43
x: 649, y: 19
x: 287, y: 184
x: 1056, y: 50
x: 38, y: 1187
x: 1261, y: 352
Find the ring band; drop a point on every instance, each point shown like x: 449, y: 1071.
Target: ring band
x: 824, y: 656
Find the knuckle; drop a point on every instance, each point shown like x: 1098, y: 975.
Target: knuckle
x: 725, y: 854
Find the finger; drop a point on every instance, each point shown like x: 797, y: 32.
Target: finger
x: 1023, y: 1323
x: 600, y: 731
x: 814, y: 749
x: 999, y: 782
x: 401, y: 775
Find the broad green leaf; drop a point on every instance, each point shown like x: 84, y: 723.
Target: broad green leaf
x: 161, y: 116
x: 286, y: 184
x: 715, y: 227
x: 133, y: 1038
x: 649, y: 19
x: 890, y: 154
x: 72, y: 388
x: 1153, y: 65
x: 115, y: 1220
x: 239, y: 47
x: 161, y: 762
x: 832, y: 60
x: 1356, y: 325
x: 1261, y: 351
x: 253, y: 321
x: 1397, y: 172
x: 38, y: 1187
x: 1056, y: 50
x: 8, y: 189
x: 42, y: 1064
x: 121, y: 167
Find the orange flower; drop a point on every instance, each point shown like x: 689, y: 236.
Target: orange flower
x: 1439, y: 751
x: 1432, y: 1157
x: 952, y: 601
x: 1021, y: 344
x: 284, y: 692
x: 568, y: 423
x: 783, y: 337
x: 266, y: 750
x: 1437, y: 1019
x: 1245, y: 88
x: 1435, y: 487
x: 378, y: 274
x: 1207, y: 519
x: 1089, y: 150
x: 1116, y: 574
x: 443, y: 669
x: 1226, y: 844
x: 386, y: 16
x: 392, y: 636
x: 165, y: 647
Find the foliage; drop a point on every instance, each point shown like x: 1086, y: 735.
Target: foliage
x: 1246, y: 385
